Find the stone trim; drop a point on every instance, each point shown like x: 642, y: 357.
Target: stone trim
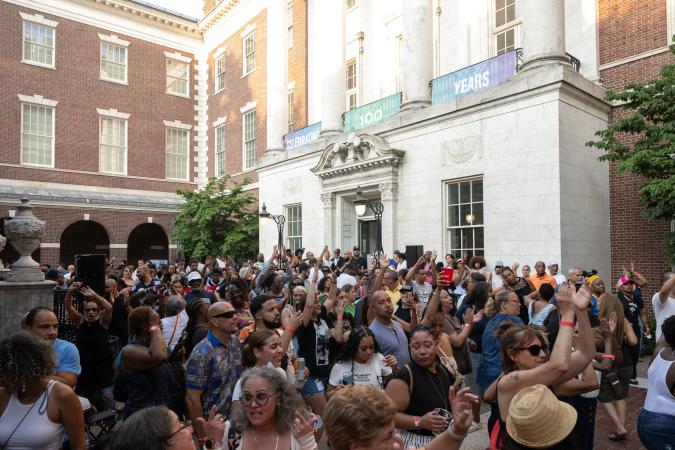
x: 219, y: 121
x: 113, y: 39
x: 177, y: 124
x: 248, y: 106
x: 37, y: 100
x: 112, y: 113
x: 39, y: 19
x: 178, y: 56
x: 250, y: 28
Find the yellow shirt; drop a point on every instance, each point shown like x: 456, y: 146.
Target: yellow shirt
x: 394, y: 295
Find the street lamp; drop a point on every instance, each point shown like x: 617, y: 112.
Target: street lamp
x: 279, y: 220
x: 376, y: 206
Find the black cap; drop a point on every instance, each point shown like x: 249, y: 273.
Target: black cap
x: 258, y: 301
x: 356, y: 248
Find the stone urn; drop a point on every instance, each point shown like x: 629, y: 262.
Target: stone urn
x: 24, y: 232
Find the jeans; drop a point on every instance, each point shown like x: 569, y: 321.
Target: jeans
x: 656, y: 430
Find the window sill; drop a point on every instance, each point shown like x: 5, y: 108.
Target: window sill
x: 176, y: 94
x: 248, y: 170
x: 218, y: 92
x: 37, y: 64
x: 248, y: 73
x: 177, y: 180
x: 44, y: 166
x: 113, y: 174
x: 124, y: 83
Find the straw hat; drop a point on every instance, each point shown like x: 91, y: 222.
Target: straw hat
x: 537, y: 419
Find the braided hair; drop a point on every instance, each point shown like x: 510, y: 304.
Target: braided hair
x: 24, y: 361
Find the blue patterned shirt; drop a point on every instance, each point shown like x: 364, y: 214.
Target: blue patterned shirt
x: 214, y: 369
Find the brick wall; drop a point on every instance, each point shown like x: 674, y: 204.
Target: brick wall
x: 628, y: 28
x: 75, y: 84
x: 297, y: 64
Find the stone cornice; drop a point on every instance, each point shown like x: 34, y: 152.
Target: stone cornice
x: 221, y: 10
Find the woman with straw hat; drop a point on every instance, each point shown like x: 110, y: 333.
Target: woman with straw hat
x: 537, y: 419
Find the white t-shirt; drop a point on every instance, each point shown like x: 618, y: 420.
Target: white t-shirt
x: 560, y: 278
x: 168, y: 324
x: 402, y: 265
x: 497, y: 280
x: 371, y: 372
x: 345, y: 279
x: 662, y: 311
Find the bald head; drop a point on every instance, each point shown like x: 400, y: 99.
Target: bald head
x: 219, y: 308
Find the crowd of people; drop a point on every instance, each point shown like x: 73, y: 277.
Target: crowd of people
x: 372, y: 354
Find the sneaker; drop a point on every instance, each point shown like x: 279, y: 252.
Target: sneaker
x: 474, y: 427
x: 634, y: 381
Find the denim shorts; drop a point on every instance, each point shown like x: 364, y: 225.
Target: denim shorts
x: 656, y: 430
x: 314, y: 386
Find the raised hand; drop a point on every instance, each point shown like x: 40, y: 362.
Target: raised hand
x: 384, y: 262
x: 603, y: 328
x: 301, y: 427
x: 391, y: 361
x: 581, y: 298
x: 214, y: 426
x: 461, y: 403
x: 514, y: 267
x: 564, y: 298
x: 434, y: 255
x: 611, y: 322
x: 468, y: 315
x: 295, y: 320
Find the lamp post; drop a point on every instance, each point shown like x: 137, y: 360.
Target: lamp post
x: 280, y: 220
x: 376, y: 206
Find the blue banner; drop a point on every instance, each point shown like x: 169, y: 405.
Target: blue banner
x: 372, y: 113
x: 301, y: 137
x: 483, y: 75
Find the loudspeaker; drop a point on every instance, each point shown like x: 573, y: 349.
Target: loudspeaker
x: 413, y: 253
x: 90, y: 269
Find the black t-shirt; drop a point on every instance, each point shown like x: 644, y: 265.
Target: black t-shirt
x: 317, y: 346
x: 632, y: 308
x: 429, y: 390
x: 194, y: 295
x: 477, y: 330
x: 552, y: 324
x: 119, y: 321
x: 348, y: 321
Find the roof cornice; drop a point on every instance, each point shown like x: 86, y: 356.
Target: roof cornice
x: 221, y: 10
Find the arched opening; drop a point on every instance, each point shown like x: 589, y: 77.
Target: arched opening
x: 81, y: 238
x: 8, y: 255
x: 148, y: 241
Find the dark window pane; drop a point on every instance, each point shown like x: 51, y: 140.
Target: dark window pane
x: 511, y: 13
x: 500, y: 18
x: 467, y: 238
x: 478, y: 237
x: 477, y: 190
x: 453, y: 216
x: 477, y: 211
x: 465, y: 192
x: 510, y: 39
x: 465, y: 215
x: 453, y: 194
x: 455, y: 239
x: 499, y: 4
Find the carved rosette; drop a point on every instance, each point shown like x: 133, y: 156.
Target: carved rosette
x: 328, y: 200
x: 24, y: 232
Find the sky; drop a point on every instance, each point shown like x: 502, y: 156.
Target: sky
x: 190, y: 7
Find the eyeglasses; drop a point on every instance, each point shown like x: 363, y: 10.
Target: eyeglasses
x: 534, y: 350
x: 261, y: 398
x: 90, y: 309
x: 186, y: 424
x: 224, y: 315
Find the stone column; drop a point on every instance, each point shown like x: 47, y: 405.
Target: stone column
x: 543, y: 32
x: 277, y: 75
x: 418, y: 53
x: 329, y: 219
x: 389, y: 199
x: 333, y: 83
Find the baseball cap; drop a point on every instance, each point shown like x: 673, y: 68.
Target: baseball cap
x: 624, y: 280
x: 193, y: 276
x: 356, y: 249
x: 499, y: 263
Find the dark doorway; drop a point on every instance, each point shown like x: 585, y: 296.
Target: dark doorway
x: 148, y: 241
x: 9, y: 254
x: 83, y: 237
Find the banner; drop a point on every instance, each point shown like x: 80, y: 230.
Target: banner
x: 372, y: 113
x: 301, y: 137
x: 483, y: 75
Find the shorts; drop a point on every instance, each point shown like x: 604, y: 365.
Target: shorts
x: 314, y: 386
x: 607, y: 393
x: 470, y: 379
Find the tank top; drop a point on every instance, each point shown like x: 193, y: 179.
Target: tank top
x: 95, y: 356
x: 36, y: 430
x: 659, y: 398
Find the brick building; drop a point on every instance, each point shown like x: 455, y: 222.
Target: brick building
x: 110, y: 107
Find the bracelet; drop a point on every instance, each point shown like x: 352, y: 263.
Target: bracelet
x: 291, y: 330
x: 608, y: 356
x: 453, y: 435
x: 416, y: 421
x: 565, y: 323
x: 339, y: 317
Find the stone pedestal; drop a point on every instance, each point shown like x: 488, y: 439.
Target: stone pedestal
x: 16, y: 299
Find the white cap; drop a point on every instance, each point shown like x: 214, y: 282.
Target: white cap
x: 192, y: 276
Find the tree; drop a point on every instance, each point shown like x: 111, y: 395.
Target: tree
x: 643, y: 143
x: 219, y: 219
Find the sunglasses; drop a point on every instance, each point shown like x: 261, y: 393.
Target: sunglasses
x: 225, y: 315
x: 261, y: 398
x: 90, y: 309
x: 534, y: 350
x: 186, y: 424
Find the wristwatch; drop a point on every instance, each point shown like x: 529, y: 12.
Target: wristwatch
x: 211, y: 444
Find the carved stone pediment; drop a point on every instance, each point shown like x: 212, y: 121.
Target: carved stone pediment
x: 361, y: 152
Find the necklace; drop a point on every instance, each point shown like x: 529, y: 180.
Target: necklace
x: 439, y: 391
x: 255, y: 440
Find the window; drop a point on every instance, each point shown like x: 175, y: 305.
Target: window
x: 176, y: 154
x: 177, y: 77
x: 248, y: 125
x: 220, y: 73
x: 113, y: 62
x: 350, y: 4
x: 293, y: 226
x: 290, y: 110
x: 37, y: 135
x: 289, y: 23
x: 113, y: 145
x: 464, y: 222
x: 352, y: 84
x: 507, y: 26
x: 249, y: 53
x: 220, y: 150
x: 38, y: 44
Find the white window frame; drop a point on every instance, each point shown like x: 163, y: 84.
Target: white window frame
x: 114, y: 41
x: 219, y: 75
x: 248, y: 112
x: 446, y: 219
x: 248, y: 58
x: 112, y: 114
x: 512, y: 25
x: 38, y: 101
x: 40, y: 21
x: 293, y: 219
x: 219, y: 128
x: 290, y: 99
x: 289, y: 24
x: 178, y: 58
x: 354, y: 91
x: 177, y: 126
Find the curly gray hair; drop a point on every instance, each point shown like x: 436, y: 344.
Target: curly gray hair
x: 289, y: 399
x: 24, y: 361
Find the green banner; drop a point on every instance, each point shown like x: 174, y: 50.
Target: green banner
x: 372, y: 113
